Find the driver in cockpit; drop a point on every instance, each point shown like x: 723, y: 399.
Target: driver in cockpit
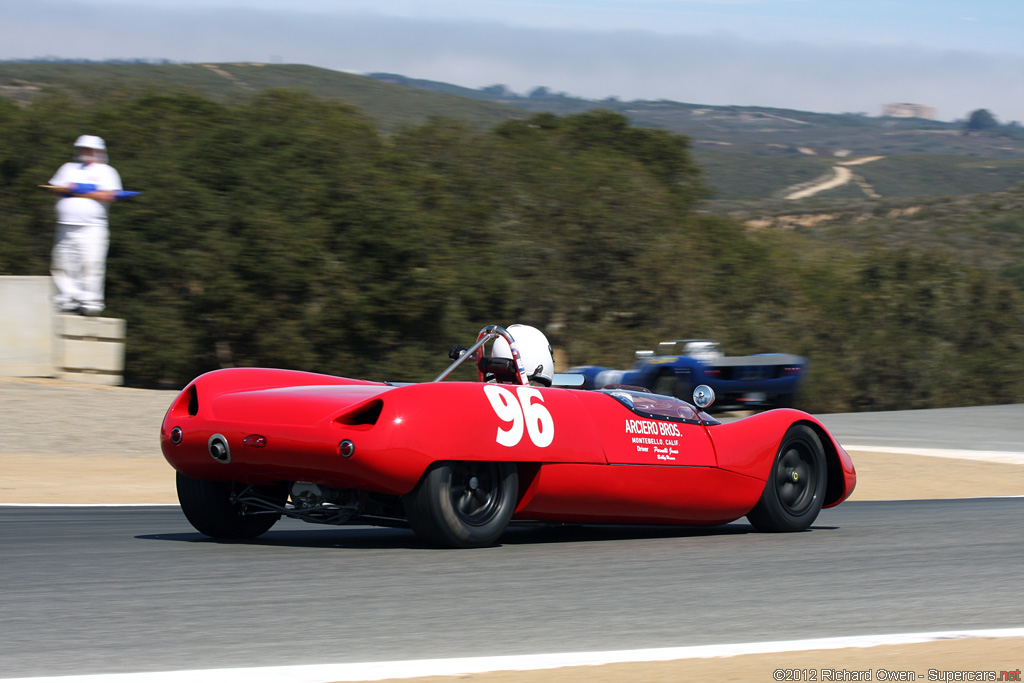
x: 500, y: 367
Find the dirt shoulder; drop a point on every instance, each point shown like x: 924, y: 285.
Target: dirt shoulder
x: 927, y: 661
x: 138, y: 479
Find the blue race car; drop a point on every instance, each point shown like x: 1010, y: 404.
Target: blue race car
x: 680, y: 365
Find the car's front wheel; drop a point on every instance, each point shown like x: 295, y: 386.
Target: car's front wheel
x: 211, y: 507
x: 795, y: 489
x: 463, y: 504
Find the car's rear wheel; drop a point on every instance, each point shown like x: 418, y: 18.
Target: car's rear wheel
x: 463, y: 504
x: 210, y: 507
x: 795, y: 489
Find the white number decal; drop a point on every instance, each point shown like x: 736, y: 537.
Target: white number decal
x: 539, y: 424
x: 506, y: 407
x: 525, y: 411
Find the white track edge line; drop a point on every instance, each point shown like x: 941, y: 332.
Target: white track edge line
x: 375, y: 671
x: 1008, y: 457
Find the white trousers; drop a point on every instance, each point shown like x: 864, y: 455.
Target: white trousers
x: 79, y: 265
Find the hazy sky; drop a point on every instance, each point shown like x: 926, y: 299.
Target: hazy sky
x: 818, y: 55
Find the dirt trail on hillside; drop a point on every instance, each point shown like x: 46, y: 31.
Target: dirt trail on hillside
x: 839, y: 175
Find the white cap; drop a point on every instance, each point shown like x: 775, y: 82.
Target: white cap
x: 90, y: 142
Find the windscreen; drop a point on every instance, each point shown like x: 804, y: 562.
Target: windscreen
x: 655, y: 405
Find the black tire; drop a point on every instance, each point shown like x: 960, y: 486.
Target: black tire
x: 208, y: 507
x: 668, y: 383
x: 463, y: 504
x: 795, y: 489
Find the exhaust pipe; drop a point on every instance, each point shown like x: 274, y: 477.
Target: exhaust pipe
x: 219, y: 449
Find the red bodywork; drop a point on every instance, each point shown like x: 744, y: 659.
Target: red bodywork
x: 582, y: 456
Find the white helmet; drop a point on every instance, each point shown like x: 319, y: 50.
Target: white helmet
x: 534, y: 349
x: 91, y: 142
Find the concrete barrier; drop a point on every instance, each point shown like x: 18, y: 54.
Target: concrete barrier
x: 90, y: 349
x: 26, y: 327
x: 36, y: 342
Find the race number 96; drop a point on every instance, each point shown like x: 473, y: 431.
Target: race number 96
x: 522, y: 411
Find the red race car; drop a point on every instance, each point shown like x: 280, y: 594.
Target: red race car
x: 457, y: 461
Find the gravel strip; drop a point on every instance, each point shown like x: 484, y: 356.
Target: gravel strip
x: 48, y: 417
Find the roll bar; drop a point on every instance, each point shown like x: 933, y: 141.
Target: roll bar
x: 476, y: 352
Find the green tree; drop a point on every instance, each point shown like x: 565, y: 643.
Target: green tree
x: 980, y: 120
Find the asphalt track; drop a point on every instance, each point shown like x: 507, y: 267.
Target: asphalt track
x: 128, y: 589
x: 978, y: 428
x: 121, y: 589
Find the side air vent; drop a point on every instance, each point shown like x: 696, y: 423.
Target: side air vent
x: 367, y: 414
x: 193, y: 401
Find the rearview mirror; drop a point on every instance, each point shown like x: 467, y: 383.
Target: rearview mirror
x: 703, y: 396
x: 568, y: 379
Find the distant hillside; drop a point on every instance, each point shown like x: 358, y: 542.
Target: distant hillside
x: 745, y: 176
x: 761, y: 130
x: 391, y: 106
x: 984, y: 230
x: 746, y: 152
x: 760, y: 152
